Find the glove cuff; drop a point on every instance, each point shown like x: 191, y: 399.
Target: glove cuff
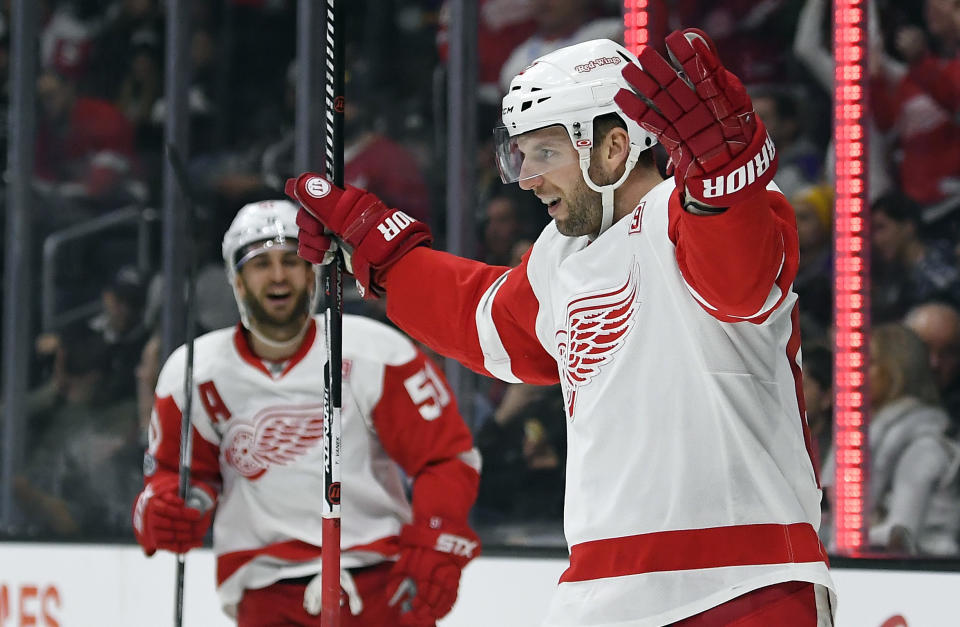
x: 459, y: 542
x: 747, y: 173
x: 375, y: 254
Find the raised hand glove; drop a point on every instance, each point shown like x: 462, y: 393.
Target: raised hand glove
x: 374, y: 235
x: 426, y: 578
x: 719, y: 150
x: 161, y: 520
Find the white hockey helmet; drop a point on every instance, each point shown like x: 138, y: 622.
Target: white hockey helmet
x: 569, y: 87
x: 257, y: 228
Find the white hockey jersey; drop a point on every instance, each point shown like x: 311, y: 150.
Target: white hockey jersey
x: 675, y: 338
x: 258, y: 441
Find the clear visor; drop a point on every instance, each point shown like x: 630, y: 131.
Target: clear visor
x: 250, y: 251
x: 532, y: 154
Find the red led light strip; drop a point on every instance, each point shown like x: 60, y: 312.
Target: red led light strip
x: 851, y: 267
x: 636, y: 32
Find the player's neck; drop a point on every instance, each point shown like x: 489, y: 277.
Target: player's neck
x: 272, y: 349
x: 637, y: 185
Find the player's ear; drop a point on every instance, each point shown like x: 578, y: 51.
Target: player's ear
x: 238, y: 284
x: 615, y: 147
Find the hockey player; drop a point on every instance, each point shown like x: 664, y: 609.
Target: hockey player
x: 664, y: 308
x: 257, y: 456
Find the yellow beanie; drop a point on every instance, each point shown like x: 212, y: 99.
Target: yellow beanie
x: 820, y: 197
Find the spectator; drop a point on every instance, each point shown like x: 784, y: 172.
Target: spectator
x: 127, y: 25
x: 141, y: 87
x: 813, y: 206
x: 84, y: 465
x: 928, y: 133
x: 372, y: 158
x: 559, y: 23
x: 502, y: 228
x: 818, y: 396
x: 84, y: 145
x: 906, y: 269
x: 121, y: 324
x: 750, y: 33
x: 912, y: 508
x: 811, y: 48
x: 524, y: 451
x: 938, y: 325
x: 502, y: 26
x: 66, y: 40
x: 801, y: 160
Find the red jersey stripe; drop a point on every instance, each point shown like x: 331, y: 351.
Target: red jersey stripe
x: 687, y: 549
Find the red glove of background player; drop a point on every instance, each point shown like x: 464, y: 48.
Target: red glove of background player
x: 161, y: 520
x: 426, y: 579
x: 719, y: 149
x: 375, y: 235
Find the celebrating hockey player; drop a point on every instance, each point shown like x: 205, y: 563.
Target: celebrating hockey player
x: 665, y: 310
x: 257, y: 456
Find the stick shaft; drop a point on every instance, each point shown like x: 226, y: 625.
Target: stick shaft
x: 333, y: 289
x: 186, y: 431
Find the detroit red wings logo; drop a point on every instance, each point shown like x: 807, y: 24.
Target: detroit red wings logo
x: 597, y: 326
x: 275, y: 436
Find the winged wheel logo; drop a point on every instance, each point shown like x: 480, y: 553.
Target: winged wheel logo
x: 276, y: 435
x: 597, y: 326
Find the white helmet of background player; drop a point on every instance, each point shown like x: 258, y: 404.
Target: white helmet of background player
x: 570, y: 87
x: 257, y: 228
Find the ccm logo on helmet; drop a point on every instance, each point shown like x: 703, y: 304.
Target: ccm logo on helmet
x: 742, y: 176
x: 394, y: 223
x: 595, y: 63
x: 317, y: 187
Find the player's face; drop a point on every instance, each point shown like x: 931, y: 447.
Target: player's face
x: 576, y: 209
x: 275, y: 287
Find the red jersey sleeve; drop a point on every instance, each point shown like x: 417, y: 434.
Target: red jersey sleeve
x: 164, y: 448
x: 738, y: 264
x: 419, y: 426
x: 884, y: 102
x: 482, y: 316
x: 940, y: 78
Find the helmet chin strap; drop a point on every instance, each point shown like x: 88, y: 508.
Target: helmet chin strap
x: 606, y: 191
x: 285, y: 344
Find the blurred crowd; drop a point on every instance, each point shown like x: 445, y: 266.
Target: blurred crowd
x: 100, y: 115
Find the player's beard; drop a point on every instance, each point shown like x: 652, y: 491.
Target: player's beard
x: 584, y: 206
x: 278, y: 329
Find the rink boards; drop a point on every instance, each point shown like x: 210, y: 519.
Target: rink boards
x: 64, y: 585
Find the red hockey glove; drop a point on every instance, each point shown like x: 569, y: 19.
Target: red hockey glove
x: 426, y: 578
x: 161, y: 520
x: 375, y: 236
x: 719, y: 150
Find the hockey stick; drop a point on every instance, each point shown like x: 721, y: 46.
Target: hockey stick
x: 333, y: 305
x: 186, y: 433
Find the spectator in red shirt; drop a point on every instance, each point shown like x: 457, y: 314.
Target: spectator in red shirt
x: 921, y: 108
x: 84, y: 145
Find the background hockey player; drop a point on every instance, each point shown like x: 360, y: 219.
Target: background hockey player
x: 665, y: 310
x: 258, y: 454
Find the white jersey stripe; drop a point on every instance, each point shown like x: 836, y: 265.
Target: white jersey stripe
x: 495, y: 357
